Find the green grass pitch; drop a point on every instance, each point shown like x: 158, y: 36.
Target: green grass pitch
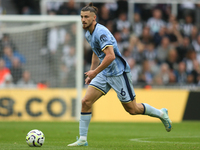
x: 103, y: 136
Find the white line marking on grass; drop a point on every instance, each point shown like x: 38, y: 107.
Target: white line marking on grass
x: 147, y: 140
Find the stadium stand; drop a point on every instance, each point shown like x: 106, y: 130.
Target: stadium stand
x: 164, y: 48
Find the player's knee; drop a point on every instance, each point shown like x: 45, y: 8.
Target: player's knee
x: 132, y: 112
x: 86, y: 103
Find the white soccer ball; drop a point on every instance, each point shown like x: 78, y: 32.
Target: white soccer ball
x: 35, y: 138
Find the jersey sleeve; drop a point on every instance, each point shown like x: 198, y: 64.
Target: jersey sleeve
x: 104, y: 39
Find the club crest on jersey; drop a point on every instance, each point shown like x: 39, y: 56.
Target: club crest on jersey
x: 103, y: 38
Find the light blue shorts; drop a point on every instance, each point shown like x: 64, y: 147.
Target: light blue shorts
x: 122, y: 85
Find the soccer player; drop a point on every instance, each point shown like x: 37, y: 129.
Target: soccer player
x: 108, y: 70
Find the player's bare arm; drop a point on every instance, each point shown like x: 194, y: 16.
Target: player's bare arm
x: 110, y: 56
x: 95, y: 62
x: 94, y: 65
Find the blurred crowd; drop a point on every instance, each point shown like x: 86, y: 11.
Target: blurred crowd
x: 12, y: 62
x: 161, y: 48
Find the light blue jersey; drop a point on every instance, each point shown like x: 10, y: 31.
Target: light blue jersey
x: 99, y: 40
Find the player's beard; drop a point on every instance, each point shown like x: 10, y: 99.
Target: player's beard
x: 87, y: 27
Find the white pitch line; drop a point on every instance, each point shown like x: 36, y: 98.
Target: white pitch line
x: 145, y: 140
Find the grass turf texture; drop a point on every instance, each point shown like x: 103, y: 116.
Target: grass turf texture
x: 103, y: 136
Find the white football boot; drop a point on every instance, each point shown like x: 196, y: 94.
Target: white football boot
x: 165, y: 120
x: 79, y: 142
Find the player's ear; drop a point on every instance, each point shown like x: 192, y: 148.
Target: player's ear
x: 95, y: 17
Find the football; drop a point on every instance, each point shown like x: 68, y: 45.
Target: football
x: 35, y: 138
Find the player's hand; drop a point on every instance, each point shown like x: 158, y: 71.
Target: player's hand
x: 91, y: 74
x: 87, y: 81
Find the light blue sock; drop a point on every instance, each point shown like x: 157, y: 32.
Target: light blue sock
x: 151, y: 111
x: 84, y: 125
